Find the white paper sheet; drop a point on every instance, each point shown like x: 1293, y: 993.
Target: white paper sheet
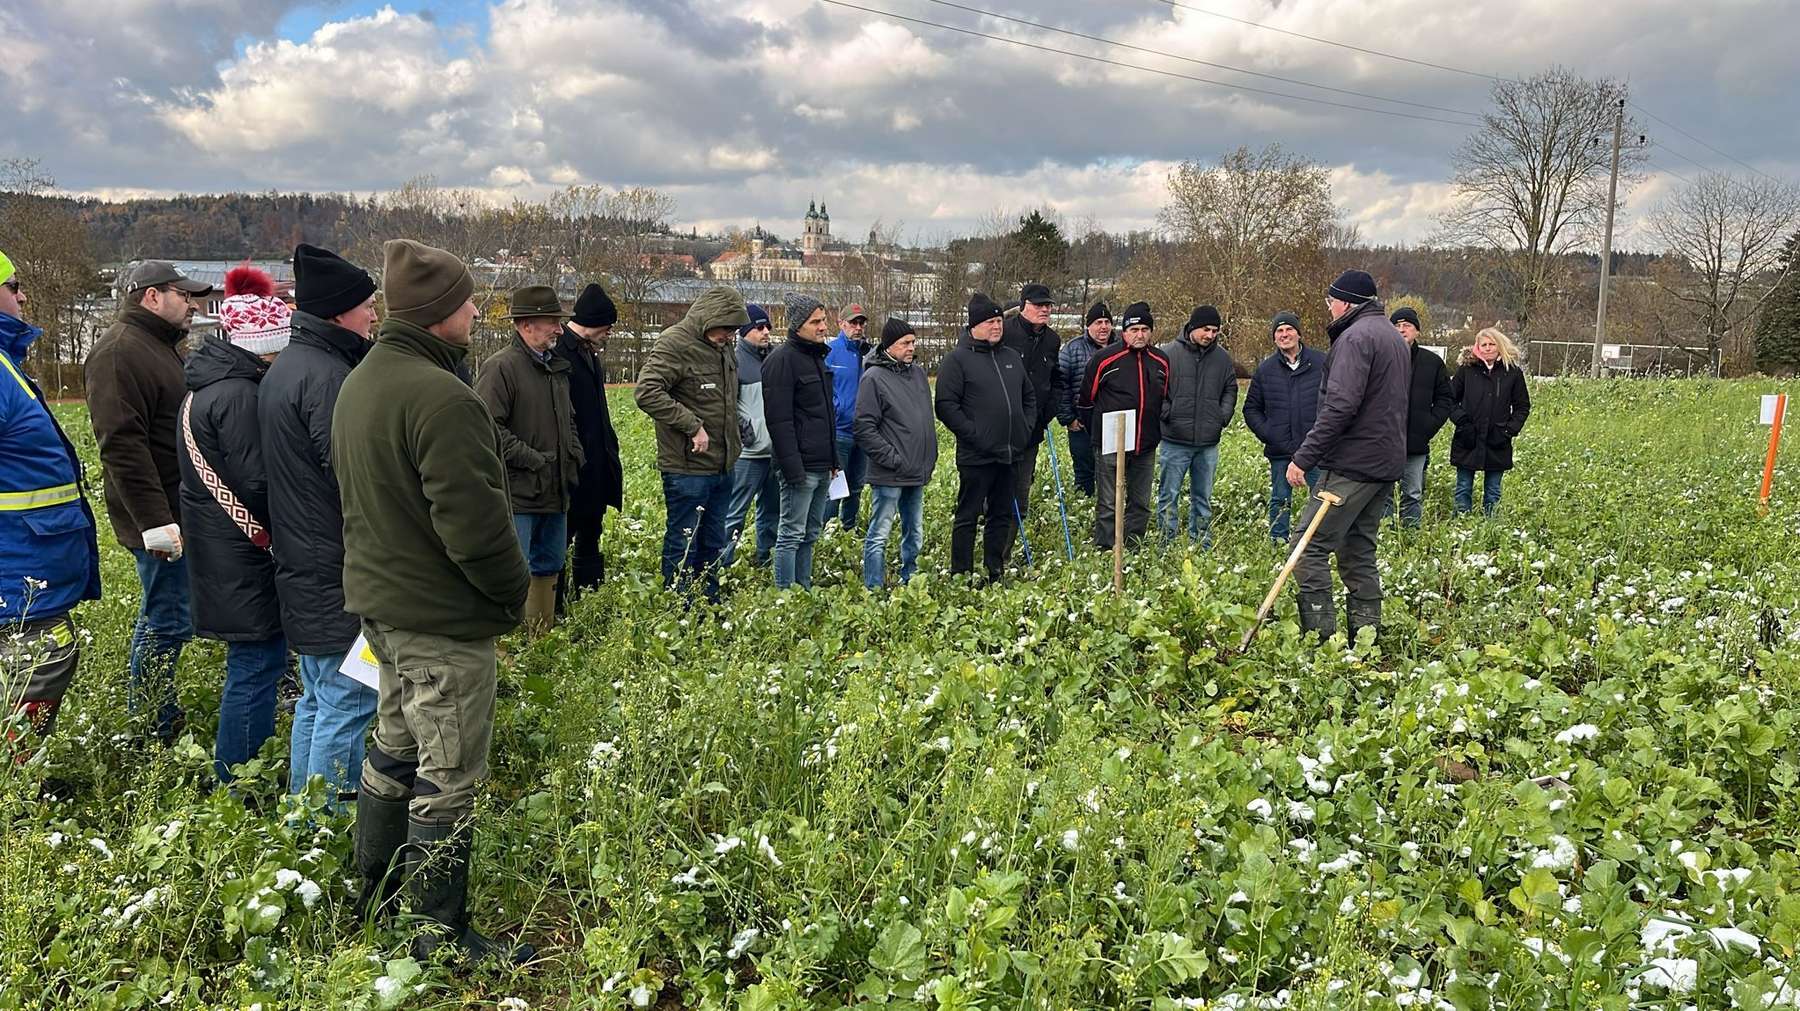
x: 360, y: 664
x: 1109, y: 432
x: 840, y: 486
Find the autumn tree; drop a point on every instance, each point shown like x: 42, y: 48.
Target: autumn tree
x: 48, y: 244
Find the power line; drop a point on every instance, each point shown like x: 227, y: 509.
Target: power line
x: 1143, y: 70
x: 1331, y: 42
x: 1700, y: 142
x: 1452, y: 70
x: 1204, y: 63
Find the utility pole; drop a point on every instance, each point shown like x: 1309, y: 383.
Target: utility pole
x: 1612, y: 194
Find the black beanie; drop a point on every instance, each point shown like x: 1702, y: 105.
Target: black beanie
x: 1407, y: 314
x: 1135, y: 313
x: 981, y: 309
x: 327, y: 285
x: 893, y: 330
x: 1353, y: 286
x: 594, y: 308
x: 1204, y: 315
x: 1283, y: 317
x: 1097, y: 311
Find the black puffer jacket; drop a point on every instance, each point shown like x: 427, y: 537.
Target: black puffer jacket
x: 1202, y: 392
x: 1429, y: 403
x: 602, y: 479
x: 1121, y: 378
x: 1282, y: 401
x: 1491, y: 407
x: 231, y: 581
x: 800, y: 410
x: 985, y: 398
x: 1039, y: 347
x: 293, y: 409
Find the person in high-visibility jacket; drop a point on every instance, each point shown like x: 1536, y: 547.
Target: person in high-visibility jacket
x: 49, y: 555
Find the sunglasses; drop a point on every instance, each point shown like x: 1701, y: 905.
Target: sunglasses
x: 11, y: 285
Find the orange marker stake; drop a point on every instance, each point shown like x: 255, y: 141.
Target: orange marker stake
x: 1769, y: 460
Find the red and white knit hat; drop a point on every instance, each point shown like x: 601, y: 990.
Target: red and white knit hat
x: 251, y: 316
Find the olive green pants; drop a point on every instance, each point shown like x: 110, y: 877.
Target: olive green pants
x: 434, y: 721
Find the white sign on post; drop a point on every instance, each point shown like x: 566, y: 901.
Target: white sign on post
x: 1610, y: 351
x: 1441, y: 352
x: 1769, y: 402
x: 1109, y: 432
x: 360, y: 664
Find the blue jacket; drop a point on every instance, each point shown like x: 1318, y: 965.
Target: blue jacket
x: 49, y: 554
x: 845, y: 359
x: 1282, y: 403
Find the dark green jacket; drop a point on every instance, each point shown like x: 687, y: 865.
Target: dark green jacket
x: 529, y: 399
x: 688, y: 382
x: 428, y: 536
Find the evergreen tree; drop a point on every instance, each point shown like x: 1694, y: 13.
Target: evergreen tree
x: 1777, y: 334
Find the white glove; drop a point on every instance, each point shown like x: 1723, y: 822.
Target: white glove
x: 166, y: 540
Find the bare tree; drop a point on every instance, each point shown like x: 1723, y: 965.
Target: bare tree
x: 1531, y: 181
x: 1729, y: 234
x: 1252, y: 232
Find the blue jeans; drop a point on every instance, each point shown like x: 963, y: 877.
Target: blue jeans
x: 163, y: 627
x: 886, y: 502
x: 544, y: 537
x: 247, y: 705
x: 331, y: 723
x: 1198, y: 465
x: 695, y: 533
x: 1411, y: 490
x: 1281, y: 496
x: 753, y: 480
x: 1490, y: 490
x: 855, y: 463
x: 804, y: 505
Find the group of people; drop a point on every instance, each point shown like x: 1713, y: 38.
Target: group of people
x: 313, y: 478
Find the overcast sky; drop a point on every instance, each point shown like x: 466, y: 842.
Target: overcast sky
x: 743, y: 110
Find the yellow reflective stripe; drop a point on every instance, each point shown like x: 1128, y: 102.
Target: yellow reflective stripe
x: 13, y: 501
x: 6, y: 360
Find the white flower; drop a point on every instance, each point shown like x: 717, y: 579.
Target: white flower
x: 742, y: 942
x: 1071, y: 840
x: 1578, y: 732
x: 641, y: 996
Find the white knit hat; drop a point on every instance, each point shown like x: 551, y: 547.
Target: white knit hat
x: 251, y: 316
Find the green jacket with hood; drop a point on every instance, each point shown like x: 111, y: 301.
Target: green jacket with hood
x: 428, y: 534
x: 689, y: 382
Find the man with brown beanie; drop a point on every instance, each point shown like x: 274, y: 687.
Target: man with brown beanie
x: 433, y: 568
x: 135, y: 387
x: 526, y: 389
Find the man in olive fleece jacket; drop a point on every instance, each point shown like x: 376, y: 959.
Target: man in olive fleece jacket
x: 433, y: 568
x: 689, y: 387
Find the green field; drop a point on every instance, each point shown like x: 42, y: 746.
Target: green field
x: 1041, y: 795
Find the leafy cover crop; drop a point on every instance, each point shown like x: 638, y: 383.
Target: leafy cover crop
x: 1566, y: 777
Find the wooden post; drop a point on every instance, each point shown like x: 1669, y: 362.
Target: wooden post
x: 1119, y: 506
x: 1769, y: 461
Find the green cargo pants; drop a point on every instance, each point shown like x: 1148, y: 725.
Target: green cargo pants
x: 434, y: 721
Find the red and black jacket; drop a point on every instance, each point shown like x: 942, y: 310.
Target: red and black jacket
x: 1120, y: 378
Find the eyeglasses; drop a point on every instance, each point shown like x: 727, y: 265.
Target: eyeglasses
x: 11, y: 285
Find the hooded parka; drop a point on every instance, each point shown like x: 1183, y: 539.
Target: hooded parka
x: 1491, y: 407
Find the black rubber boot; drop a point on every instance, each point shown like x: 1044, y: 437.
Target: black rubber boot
x: 380, y: 832
x: 1363, y: 614
x: 437, y: 856
x: 1318, y: 613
